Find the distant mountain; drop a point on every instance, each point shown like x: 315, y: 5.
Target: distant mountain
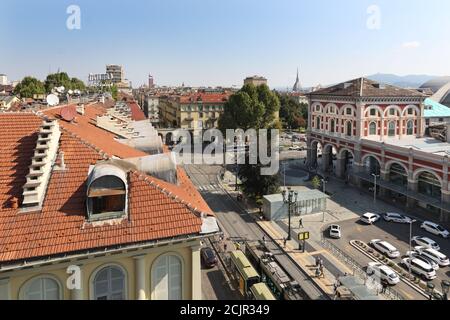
x: 409, y: 81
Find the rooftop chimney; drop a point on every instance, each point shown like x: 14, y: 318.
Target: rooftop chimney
x: 41, y: 166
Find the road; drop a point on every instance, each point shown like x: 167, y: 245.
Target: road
x: 398, y: 236
x: 238, y: 224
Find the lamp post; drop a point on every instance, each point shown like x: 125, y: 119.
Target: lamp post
x: 290, y: 197
x: 324, y: 182
x: 375, y: 176
x: 445, y: 287
x: 430, y: 289
x: 410, y: 246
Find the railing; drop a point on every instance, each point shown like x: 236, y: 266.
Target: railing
x: 358, y: 270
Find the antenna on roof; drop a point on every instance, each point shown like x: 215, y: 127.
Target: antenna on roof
x: 52, y: 100
x: 67, y: 113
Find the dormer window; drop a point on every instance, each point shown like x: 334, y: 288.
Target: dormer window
x: 107, y: 193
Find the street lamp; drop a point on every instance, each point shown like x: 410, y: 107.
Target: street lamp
x: 445, y: 287
x: 410, y: 246
x: 375, y: 176
x: 430, y: 289
x: 290, y: 197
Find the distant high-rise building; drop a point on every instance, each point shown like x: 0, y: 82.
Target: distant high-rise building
x: 151, y: 82
x: 3, y: 79
x: 117, y: 73
x: 297, y: 87
x: 255, y: 80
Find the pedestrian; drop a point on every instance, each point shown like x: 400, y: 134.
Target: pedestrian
x: 317, y: 272
x: 317, y: 262
x: 225, y: 247
x: 284, y: 242
x: 321, y: 271
x: 264, y: 239
x: 300, y: 223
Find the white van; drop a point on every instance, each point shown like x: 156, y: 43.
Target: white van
x: 438, y: 257
x: 420, y: 267
x: 385, y: 248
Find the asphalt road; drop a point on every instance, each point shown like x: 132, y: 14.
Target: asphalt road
x: 398, y: 236
x: 238, y: 224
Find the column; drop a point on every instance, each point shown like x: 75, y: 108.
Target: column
x: 5, y: 290
x: 140, y: 277
x: 340, y: 166
x: 326, y: 160
x: 196, y: 274
x: 77, y: 292
x: 413, y: 186
x: 384, y: 176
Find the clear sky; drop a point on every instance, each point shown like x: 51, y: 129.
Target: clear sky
x: 212, y: 42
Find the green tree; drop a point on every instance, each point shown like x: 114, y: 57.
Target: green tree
x: 28, y: 87
x: 293, y: 114
x: 252, y: 107
x: 62, y: 79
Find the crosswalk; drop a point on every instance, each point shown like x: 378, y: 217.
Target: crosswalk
x: 210, y: 187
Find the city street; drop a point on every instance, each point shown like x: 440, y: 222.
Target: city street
x: 394, y: 233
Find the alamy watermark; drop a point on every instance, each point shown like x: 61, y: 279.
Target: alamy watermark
x: 238, y: 147
x: 374, y: 19
x: 73, y: 21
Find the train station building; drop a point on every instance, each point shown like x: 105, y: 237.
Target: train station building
x: 368, y: 133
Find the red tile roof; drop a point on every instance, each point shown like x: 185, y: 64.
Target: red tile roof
x: 61, y: 226
x: 136, y: 112
x: 205, y: 98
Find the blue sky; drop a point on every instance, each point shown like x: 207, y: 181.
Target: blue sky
x: 211, y: 42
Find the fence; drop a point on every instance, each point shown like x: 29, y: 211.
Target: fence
x: 358, y: 270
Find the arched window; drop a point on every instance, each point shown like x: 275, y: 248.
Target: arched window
x: 410, y: 128
x: 109, y: 284
x: 318, y: 123
x: 429, y: 185
x: 372, y: 128
x: 349, y: 129
x: 332, y: 126
x: 391, y: 129
x: 41, y: 288
x: 167, y: 278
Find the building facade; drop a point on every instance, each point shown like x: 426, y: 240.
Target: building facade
x: 3, y: 80
x: 255, y: 80
x: 116, y: 72
x: 197, y: 111
x: 373, y: 133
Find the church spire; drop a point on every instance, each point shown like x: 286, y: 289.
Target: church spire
x: 297, y: 87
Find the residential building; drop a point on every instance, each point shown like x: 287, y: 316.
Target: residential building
x: 3, y: 80
x: 255, y: 80
x: 196, y: 111
x: 82, y: 215
x: 117, y: 73
x: 6, y: 102
x: 376, y: 133
x: 151, y: 82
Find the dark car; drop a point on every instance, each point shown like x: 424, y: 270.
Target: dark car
x: 209, y: 258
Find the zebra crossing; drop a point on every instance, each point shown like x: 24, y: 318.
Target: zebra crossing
x: 210, y: 187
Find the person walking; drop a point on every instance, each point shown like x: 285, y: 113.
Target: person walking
x: 225, y: 247
x: 322, y: 274
x: 300, y: 223
x: 284, y: 242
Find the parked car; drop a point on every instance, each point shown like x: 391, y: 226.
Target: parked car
x: 419, y: 267
x: 418, y: 256
x: 385, y: 248
x: 296, y: 148
x: 396, y: 217
x: 209, y: 258
x: 438, y: 257
x: 425, y: 242
x: 370, y: 218
x: 383, y: 272
x: 435, y: 229
x: 335, y: 231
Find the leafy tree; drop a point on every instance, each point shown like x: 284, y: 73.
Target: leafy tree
x: 28, y: 87
x: 293, y: 113
x: 62, y: 79
x: 252, y: 107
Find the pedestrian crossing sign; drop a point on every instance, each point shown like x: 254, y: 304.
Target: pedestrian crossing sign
x: 303, y: 236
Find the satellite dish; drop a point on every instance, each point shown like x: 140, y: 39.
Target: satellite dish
x: 60, y: 89
x: 52, y: 100
x: 70, y: 92
x: 68, y: 113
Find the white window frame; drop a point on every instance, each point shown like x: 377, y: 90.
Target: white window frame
x: 376, y: 128
x: 152, y: 270
x: 27, y: 283
x: 100, y: 268
x: 389, y: 129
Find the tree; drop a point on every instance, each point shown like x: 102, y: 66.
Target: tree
x: 252, y: 107
x: 293, y: 113
x: 62, y: 79
x: 28, y: 87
